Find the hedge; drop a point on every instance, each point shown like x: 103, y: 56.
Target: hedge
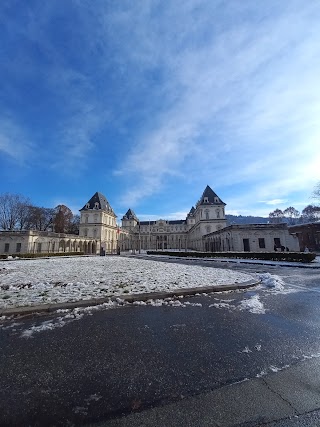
x: 41, y: 255
x: 272, y: 256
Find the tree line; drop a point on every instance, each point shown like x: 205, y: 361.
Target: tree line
x: 17, y: 213
x: 292, y: 216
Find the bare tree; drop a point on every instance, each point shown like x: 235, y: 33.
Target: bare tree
x: 62, y: 219
x: 316, y: 192
x: 310, y: 213
x: 292, y: 214
x: 74, y: 225
x: 276, y: 216
x: 40, y: 218
x: 13, y: 211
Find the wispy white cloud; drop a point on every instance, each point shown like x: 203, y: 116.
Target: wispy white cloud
x: 225, y: 93
x: 14, y: 141
x: 274, y: 201
x: 243, y: 101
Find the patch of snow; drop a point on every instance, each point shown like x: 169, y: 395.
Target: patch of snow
x: 222, y: 305
x: 12, y: 325
x: 253, y: 304
x: 275, y: 284
x: 311, y: 356
x: 276, y: 369
x: 93, y: 398
x: 57, y: 280
x: 245, y: 350
x: 193, y: 304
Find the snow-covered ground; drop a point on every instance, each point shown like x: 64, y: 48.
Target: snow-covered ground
x: 53, y: 280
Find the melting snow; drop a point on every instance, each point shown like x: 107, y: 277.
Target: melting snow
x: 275, y: 284
x: 253, y: 304
x: 47, y: 281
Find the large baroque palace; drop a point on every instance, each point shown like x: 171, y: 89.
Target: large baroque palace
x: 98, y: 221
x: 203, y: 229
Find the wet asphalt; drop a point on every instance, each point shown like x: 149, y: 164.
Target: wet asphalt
x: 131, y: 358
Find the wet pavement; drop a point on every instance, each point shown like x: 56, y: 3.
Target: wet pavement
x: 132, y: 358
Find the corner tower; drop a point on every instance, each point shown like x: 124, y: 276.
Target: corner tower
x: 98, y: 221
x: 129, y: 220
x: 209, y: 216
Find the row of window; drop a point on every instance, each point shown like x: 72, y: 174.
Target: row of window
x: 110, y: 220
x: 7, y: 247
x: 207, y: 214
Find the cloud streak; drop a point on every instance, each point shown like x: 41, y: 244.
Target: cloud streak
x: 244, y: 94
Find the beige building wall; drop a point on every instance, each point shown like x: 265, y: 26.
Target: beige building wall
x: 15, y: 242
x: 251, y: 238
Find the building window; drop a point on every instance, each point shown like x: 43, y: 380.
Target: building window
x: 18, y: 247
x: 208, y: 228
x: 39, y: 247
x: 85, y: 232
x: 277, y: 243
x: 86, y: 219
x: 218, y: 213
x: 6, y: 247
x: 207, y: 214
x: 262, y: 243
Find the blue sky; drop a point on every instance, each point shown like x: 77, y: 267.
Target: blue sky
x: 150, y: 101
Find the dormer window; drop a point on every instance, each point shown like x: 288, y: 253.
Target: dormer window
x: 205, y: 200
x: 87, y: 206
x: 96, y: 205
x: 216, y: 200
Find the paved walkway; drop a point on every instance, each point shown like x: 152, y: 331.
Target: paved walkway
x: 283, y: 395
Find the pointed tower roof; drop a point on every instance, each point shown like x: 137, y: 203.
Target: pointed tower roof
x: 98, y: 201
x: 209, y: 197
x: 191, y: 213
x: 130, y: 215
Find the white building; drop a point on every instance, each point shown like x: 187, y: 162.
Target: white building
x: 31, y: 241
x: 207, y: 216
x: 251, y: 238
x: 203, y: 229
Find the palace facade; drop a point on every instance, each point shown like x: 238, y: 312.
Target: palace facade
x: 98, y: 222
x: 203, y: 229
